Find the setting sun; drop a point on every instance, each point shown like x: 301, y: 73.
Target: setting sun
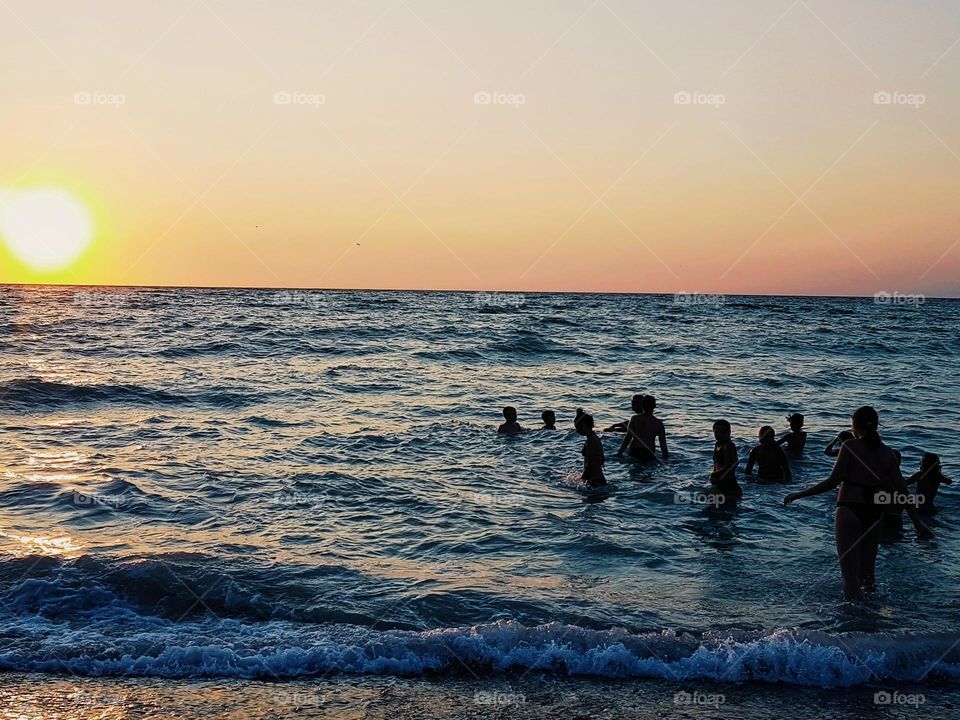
x: 46, y: 228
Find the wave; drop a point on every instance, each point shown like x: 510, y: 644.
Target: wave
x: 136, y: 646
x: 38, y: 393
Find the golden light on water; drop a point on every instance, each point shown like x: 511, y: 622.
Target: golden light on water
x: 47, y: 229
x: 46, y: 545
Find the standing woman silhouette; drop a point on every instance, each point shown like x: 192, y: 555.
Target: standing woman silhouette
x: 868, y: 475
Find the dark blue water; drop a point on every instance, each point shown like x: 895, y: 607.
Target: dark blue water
x: 204, y: 483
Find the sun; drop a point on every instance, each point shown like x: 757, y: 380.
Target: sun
x: 46, y: 228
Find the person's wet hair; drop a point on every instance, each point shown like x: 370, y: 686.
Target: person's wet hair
x: 549, y: 417
x: 795, y: 420
x: 636, y: 403
x: 649, y: 403
x: 867, y: 421
x: 930, y: 461
x: 510, y: 413
x: 767, y: 434
x: 723, y: 426
x: 583, y: 421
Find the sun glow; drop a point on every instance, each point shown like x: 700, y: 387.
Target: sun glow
x: 45, y: 228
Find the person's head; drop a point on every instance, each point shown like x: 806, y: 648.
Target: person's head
x: 649, y: 403
x: 721, y: 430
x: 510, y: 413
x: 766, y: 434
x: 866, y: 422
x: 583, y: 423
x: 636, y: 403
x: 549, y: 418
x: 930, y: 461
x: 796, y: 422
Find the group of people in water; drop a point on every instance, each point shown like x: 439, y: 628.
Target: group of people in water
x: 872, y: 491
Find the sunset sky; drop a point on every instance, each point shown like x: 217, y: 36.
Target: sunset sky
x: 611, y: 145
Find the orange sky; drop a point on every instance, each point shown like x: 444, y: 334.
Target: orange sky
x: 344, y: 144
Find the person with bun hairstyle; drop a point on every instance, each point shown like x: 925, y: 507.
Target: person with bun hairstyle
x: 593, y: 458
x: 868, y: 477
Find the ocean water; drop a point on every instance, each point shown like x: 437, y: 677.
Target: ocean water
x: 213, y: 486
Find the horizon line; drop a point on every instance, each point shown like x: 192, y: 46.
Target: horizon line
x: 459, y: 291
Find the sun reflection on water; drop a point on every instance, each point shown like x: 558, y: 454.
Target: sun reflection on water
x: 45, y: 545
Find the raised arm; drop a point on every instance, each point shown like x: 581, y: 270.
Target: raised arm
x: 836, y: 477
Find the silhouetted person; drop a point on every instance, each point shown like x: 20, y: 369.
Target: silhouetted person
x: 636, y: 404
x: 593, y: 458
x: 891, y: 528
x: 928, y: 480
x: 511, y: 425
x: 865, y: 471
x: 549, y: 420
x: 643, y: 432
x: 725, y: 461
x: 796, y: 438
x: 833, y: 448
x: 770, y: 459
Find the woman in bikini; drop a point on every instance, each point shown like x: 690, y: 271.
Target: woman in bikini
x: 868, y: 475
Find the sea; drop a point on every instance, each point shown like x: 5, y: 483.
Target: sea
x: 288, y: 503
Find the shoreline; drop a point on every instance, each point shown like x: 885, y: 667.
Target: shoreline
x: 532, y: 696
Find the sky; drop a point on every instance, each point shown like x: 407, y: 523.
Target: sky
x: 774, y: 146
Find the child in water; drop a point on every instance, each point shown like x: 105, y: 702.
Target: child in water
x: 725, y: 461
x: 549, y: 420
x: 928, y: 481
x: 796, y: 439
x: 511, y: 425
x: 770, y: 459
x: 593, y: 458
x: 833, y: 449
